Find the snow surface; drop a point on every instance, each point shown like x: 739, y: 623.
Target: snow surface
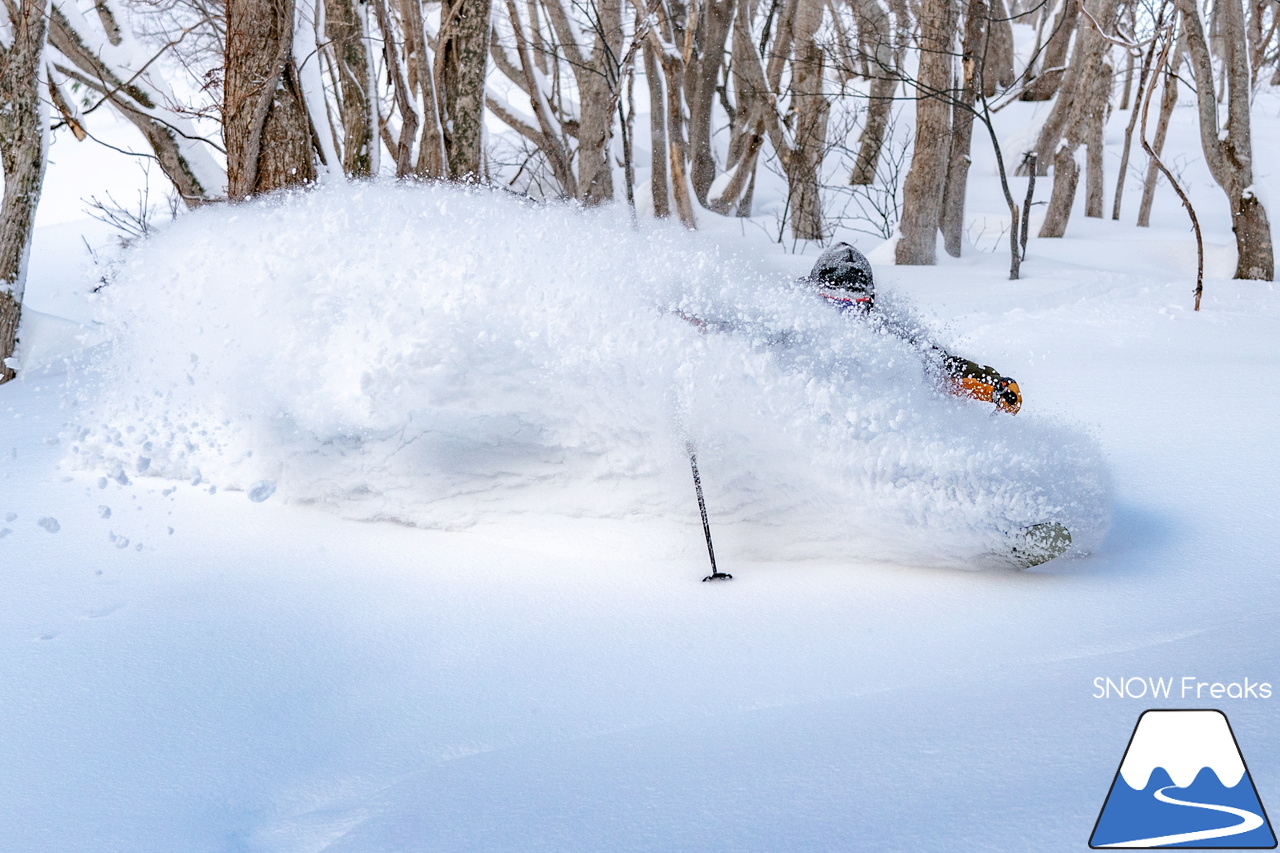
x: 187, y: 671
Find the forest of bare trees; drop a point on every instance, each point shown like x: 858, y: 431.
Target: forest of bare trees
x: 558, y: 98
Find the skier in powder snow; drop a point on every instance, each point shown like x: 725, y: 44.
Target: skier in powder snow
x: 842, y: 276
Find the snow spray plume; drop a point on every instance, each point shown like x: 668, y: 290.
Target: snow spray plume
x: 440, y: 355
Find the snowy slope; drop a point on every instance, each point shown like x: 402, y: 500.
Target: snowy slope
x: 203, y: 672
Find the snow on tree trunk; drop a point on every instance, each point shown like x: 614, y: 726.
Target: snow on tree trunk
x: 750, y: 120
x: 106, y: 60
x: 23, y: 149
x: 265, y: 126
x: 922, y: 189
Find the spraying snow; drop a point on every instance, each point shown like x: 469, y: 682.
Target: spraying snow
x: 377, y: 349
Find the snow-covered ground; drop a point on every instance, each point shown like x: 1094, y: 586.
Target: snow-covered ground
x: 191, y: 663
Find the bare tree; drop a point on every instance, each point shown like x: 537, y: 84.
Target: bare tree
x: 752, y: 116
x: 1229, y: 154
x: 1144, y: 77
x: 265, y: 128
x: 23, y: 123
x: 1168, y: 100
x: 922, y: 189
x: 461, y: 60
x: 808, y: 110
x: 885, y: 61
x: 706, y: 59
x: 973, y: 52
x: 349, y: 67
x: 1054, y: 58
x: 1087, y: 97
x: 100, y: 54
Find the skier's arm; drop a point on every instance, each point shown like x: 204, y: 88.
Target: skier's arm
x: 969, y: 379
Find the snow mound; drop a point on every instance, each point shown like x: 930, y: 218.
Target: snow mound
x: 440, y: 356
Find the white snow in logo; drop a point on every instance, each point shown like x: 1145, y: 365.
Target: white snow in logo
x: 1183, y: 743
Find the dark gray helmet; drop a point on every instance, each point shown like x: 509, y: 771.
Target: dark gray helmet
x: 842, y: 267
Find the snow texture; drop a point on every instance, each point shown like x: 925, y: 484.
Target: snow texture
x: 436, y: 355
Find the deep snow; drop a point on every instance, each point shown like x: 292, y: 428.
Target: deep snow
x: 203, y: 672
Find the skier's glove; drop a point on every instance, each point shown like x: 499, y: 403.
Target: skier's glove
x: 980, y: 382
x: 1006, y: 396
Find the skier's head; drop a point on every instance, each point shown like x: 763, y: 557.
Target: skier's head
x: 843, y: 276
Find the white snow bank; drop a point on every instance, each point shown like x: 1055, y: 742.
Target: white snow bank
x: 439, y: 356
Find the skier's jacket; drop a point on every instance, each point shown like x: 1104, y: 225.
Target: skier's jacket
x: 843, y: 278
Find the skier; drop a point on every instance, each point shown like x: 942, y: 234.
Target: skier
x: 842, y: 276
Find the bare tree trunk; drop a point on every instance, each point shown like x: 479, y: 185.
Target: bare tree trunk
x: 922, y: 189
x: 953, y: 193
x: 461, y: 60
x: 657, y: 133
x: 433, y: 160
x: 998, y: 62
x: 677, y: 148
x: 1066, y: 175
x: 1168, y: 100
x: 747, y: 131
x: 873, y: 25
x: 1144, y: 79
x: 1230, y: 155
x: 401, y: 91
x: 346, y: 35
x: 1054, y: 58
x: 1093, y: 177
x: 264, y: 128
x: 23, y: 155
x: 700, y: 82
x: 599, y: 90
x: 1087, y: 98
x: 809, y: 120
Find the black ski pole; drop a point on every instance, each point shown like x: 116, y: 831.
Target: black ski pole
x: 715, y: 575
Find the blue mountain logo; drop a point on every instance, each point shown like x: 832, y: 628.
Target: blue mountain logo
x: 1183, y: 783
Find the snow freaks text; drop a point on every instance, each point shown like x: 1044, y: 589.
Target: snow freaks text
x: 1184, y: 687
